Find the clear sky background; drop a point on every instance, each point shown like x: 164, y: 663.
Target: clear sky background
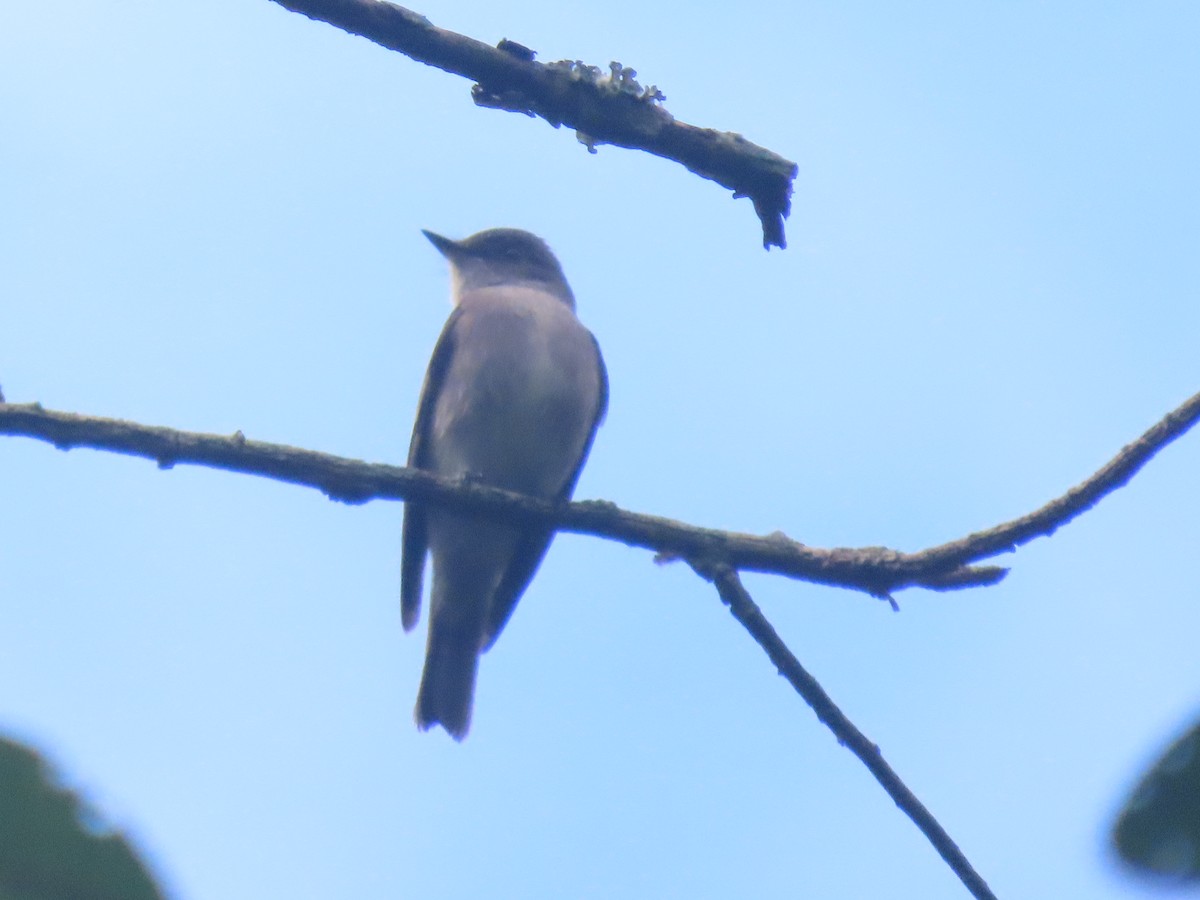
x: 209, y: 219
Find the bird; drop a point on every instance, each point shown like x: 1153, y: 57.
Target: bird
x: 512, y: 398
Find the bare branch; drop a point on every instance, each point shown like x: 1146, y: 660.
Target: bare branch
x: 602, y: 109
x: 746, y: 611
x: 877, y: 571
x: 1079, y: 499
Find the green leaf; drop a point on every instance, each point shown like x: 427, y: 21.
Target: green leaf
x: 50, y: 845
x: 1158, y: 831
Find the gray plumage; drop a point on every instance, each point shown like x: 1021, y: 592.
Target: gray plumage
x: 513, y: 396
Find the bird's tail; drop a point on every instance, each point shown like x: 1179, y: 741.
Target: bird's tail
x: 448, y: 682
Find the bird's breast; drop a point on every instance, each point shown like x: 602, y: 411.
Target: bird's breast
x: 519, y: 398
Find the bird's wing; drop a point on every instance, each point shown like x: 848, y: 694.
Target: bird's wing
x: 532, y: 547
x: 415, y: 540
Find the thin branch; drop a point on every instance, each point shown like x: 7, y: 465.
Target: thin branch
x: 877, y: 571
x: 1079, y: 499
x: 746, y: 611
x: 603, y: 109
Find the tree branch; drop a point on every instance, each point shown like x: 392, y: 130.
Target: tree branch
x: 603, y: 109
x: 877, y: 571
x: 1045, y: 521
x: 746, y: 611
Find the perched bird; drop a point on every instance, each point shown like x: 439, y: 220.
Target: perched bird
x: 512, y: 398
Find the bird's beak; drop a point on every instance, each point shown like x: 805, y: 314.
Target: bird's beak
x: 445, y: 246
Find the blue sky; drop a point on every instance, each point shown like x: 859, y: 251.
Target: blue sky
x: 211, y: 221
